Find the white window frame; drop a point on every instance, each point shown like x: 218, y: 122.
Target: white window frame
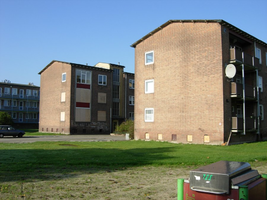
x: 14, y: 91
x: 103, y: 80
x: 35, y: 93
x: 21, y: 93
x: 149, y: 117
x: 7, y: 91
x: 63, y: 96
x: 62, y: 116
x: 64, y: 77
x: 131, y: 100
x: 6, y: 103
x: 14, y: 103
x: 131, y: 83
x: 149, y: 88
x: 28, y: 92
x: 149, y: 61
x: 258, y: 54
x: 260, y: 83
x: 84, y: 75
x: 131, y: 115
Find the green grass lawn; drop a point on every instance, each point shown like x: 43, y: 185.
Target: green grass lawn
x: 61, y: 170
x: 39, y: 155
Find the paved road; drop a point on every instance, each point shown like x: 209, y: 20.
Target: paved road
x: 70, y: 138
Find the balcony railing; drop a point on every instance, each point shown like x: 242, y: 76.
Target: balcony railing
x: 237, y: 123
x: 236, y: 55
x: 248, y: 60
x: 237, y: 90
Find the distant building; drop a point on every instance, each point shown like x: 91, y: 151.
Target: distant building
x: 82, y: 99
x: 21, y: 102
x: 183, y: 93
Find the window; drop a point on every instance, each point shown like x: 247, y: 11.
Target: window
x: 6, y: 103
x: 260, y: 83
x: 131, y: 115
x: 83, y: 77
x: 28, y: 104
x: 64, y: 76
x: 149, y: 86
x: 266, y: 58
x: 14, y: 103
x: 0, y: 92
x: 34, y: 104
x: 149, y: 57
x: 258, y: 54
x: 102, y: 79
x: 62, y: 116
x: 131, y: 100
x: 131, y: 83
x: 116, y: 92
x: 149, y: 115
x: 116, y: 75
x: 35, y: 93
x: 34, y: 115
x: 7, y: 90
x: 14, y: 91
x: 21, y: 93
x: 116, y: 109
x: 63, y: 97
x: 14, y: 115
x: 29, y: 92
x: 261, y: 112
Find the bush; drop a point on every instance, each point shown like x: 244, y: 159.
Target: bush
x: 126, y: 127
x: 5, y: 118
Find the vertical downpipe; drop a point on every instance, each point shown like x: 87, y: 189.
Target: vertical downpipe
x: 258, y: 95
x: 244, y: 96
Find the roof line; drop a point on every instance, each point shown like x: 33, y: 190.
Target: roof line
x: 220, y: 21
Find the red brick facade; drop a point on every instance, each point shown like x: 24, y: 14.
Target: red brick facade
x: 192, y: 97
x: 78, y: 99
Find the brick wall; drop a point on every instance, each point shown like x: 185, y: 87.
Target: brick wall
x: 188, y: 96
x: 51, y: 106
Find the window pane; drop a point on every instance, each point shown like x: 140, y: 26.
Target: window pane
x: 149, y: 57
x: 149, y: 86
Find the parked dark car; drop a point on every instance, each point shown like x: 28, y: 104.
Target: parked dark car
x: 7, y: 130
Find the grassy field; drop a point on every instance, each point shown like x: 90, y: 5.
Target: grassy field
x: 80, y: 170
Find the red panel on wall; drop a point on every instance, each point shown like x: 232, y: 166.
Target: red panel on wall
x: 85, y: 86
x: 82, y: 105
x: 193, y: 195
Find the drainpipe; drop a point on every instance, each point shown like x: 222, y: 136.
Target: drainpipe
x: 125, y: 96
x: 244, y: 96
x: 258, y: 94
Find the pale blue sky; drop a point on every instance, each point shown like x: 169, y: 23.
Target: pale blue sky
x: 35, y: 32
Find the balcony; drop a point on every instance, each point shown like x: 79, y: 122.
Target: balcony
x: 237, y: 124
x: 236, y: 55
x: 237, y: 91
x: 249, y: 61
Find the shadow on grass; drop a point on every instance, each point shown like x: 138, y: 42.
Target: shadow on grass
x: 38, y: 164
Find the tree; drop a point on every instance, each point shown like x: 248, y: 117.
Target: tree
x: 5, y: 118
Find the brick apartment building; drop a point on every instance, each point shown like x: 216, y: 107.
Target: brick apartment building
x: 82, y: 99
x: 21, y: 101
x: 183, y: 93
